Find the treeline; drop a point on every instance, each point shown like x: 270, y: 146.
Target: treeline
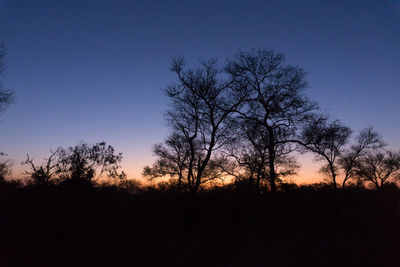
x: 244, y: 122
x: 246, y: 119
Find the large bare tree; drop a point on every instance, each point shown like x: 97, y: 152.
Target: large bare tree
x: 275, y: 104
x: 201, y: 105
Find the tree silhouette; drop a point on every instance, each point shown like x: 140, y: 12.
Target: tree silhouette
x: 367, y: 141
x: 43, y: 174
x: 275, y: 103
x: 89, y: 162
x: 78, y: 163
x: 201, y: 104
x: 172, y: 159
x: 326, y: 139
x: 379, y: 167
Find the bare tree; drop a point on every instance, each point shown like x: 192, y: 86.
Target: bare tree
x: 172, y: 159
x: 44, y: 173
x: 275, y: 102
x: 367, y: 141
x: 201, y: 103
x: 379, y: 168
x: 327, y: 140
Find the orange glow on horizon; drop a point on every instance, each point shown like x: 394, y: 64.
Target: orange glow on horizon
x: 133, y: 167
x: 307, y: 174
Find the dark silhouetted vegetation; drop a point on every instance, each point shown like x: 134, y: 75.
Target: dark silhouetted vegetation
x: 76, y: 164
x: 223, y: 226
x: 235, y: 132
x: 245, y: 121
x: 379, y: 168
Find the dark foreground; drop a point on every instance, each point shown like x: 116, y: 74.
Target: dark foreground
x: 85, y: 226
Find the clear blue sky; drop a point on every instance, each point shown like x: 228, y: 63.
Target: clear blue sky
x: 94, y: 70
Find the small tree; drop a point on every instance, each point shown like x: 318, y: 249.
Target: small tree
x: 379, y: 168
x: 44, y: 173
x: 366, y: 142
x: 326, y: 139
x: 172, y: 159
x: 78, y: 163
x: 89, y: 162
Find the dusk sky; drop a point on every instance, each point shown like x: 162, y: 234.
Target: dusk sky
x: 94, y: 70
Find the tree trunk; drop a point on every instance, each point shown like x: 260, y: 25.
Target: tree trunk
x: 258, y: 180
x: 271, y: 155
x: 201, y: 166
x: 345, y: 179
x: 344, y: 183
x: 333, y: 176
x: 180, y: 181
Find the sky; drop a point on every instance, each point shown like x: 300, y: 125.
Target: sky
x: 94, y: 70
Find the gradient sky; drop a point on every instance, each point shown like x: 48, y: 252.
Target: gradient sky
x: 94, y: 70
